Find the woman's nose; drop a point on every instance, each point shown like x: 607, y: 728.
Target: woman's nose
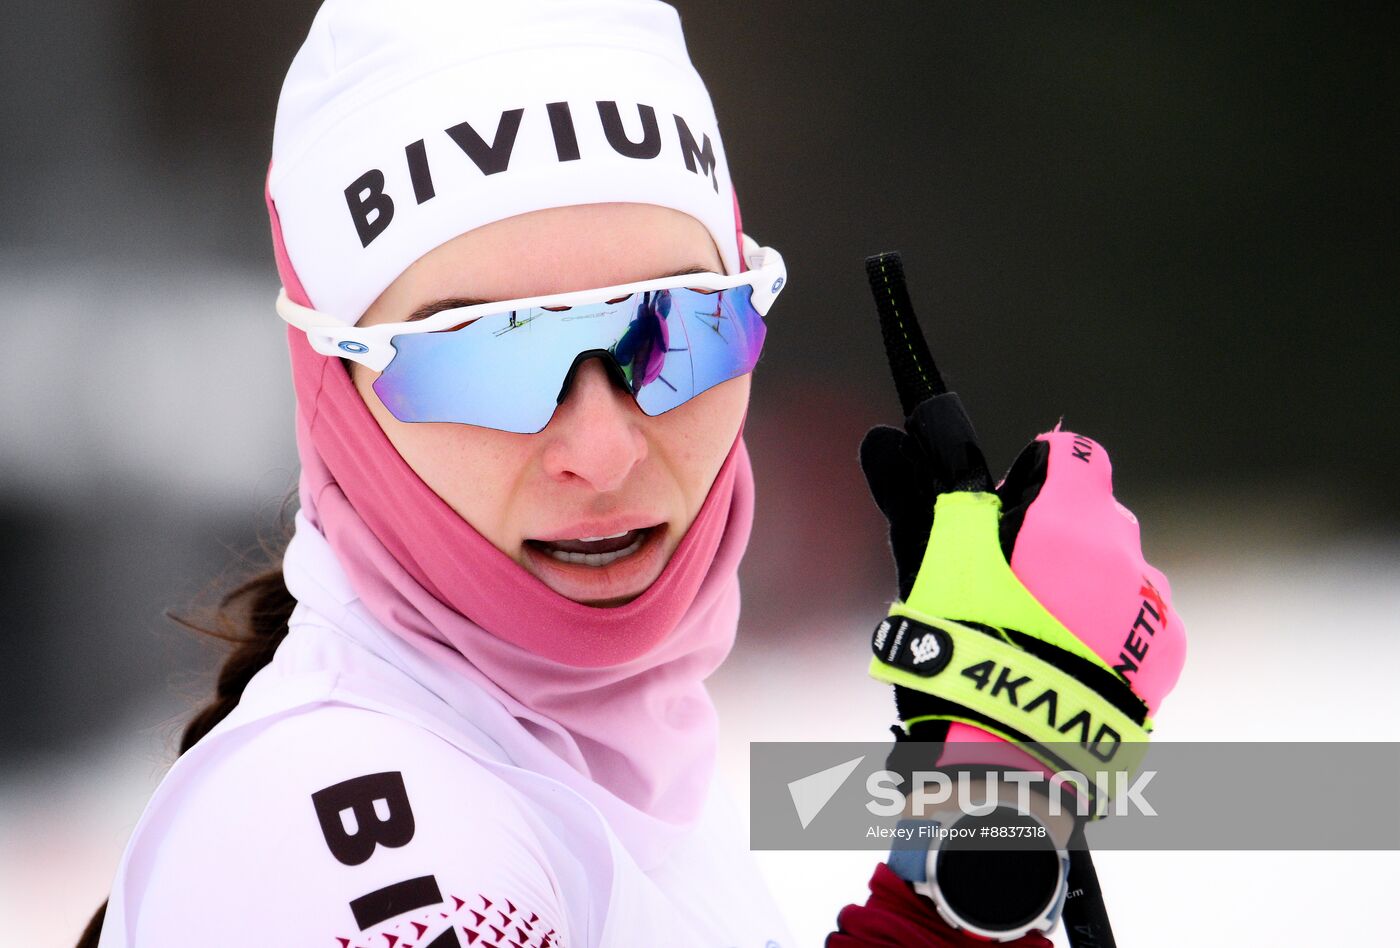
x: 595, y: 435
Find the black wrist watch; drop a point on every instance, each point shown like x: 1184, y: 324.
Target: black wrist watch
x: 998, y: 876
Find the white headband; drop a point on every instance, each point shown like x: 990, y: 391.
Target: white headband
x: 404, y: 123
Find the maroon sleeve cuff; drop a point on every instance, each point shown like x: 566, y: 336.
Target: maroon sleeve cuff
x: 895, y: 915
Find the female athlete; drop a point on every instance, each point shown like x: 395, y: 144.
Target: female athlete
x: 469, y: 706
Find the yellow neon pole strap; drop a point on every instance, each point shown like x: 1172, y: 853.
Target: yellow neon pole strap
x: 1012, y: 693
x: 947, y: 640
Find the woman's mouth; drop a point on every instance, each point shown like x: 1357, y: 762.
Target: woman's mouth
x: 594, y: 551
x: 604, y: 569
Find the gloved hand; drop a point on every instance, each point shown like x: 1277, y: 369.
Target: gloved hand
x: 1047, y: 569
x: 1027, y: 611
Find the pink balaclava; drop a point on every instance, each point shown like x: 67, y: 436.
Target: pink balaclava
x: 399, y: 128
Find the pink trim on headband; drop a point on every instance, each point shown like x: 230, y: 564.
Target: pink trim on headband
x: 290, y: 281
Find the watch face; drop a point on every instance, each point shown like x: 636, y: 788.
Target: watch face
x: 1008, y: 880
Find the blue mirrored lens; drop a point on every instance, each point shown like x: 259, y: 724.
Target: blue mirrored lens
x: 505, y: 371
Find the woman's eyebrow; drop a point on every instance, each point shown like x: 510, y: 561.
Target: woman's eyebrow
x: 457, y: 302
x: 451, y: 302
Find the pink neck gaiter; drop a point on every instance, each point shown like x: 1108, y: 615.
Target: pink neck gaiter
x: 618, y: 692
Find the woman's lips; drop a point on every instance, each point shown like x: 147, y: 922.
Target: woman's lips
x: 602, y: 570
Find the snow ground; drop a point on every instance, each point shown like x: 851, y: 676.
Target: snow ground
x: 1258, y: 627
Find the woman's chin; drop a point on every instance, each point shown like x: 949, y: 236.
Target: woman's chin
x: 614, y: 584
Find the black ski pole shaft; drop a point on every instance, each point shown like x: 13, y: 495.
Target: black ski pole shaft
x: 934, y: 416
x: 916, y: 377
x: 1085, y: 915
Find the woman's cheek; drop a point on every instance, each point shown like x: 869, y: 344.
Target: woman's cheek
x: 464, y: 465
x: 476, y: 471
x: 701, y: 433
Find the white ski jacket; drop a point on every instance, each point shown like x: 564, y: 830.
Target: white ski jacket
x: 350, y: 802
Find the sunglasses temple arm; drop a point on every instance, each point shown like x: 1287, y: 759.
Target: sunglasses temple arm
x: 303, y: 317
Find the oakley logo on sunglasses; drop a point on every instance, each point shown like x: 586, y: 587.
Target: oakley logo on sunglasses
x: 372, y: 209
